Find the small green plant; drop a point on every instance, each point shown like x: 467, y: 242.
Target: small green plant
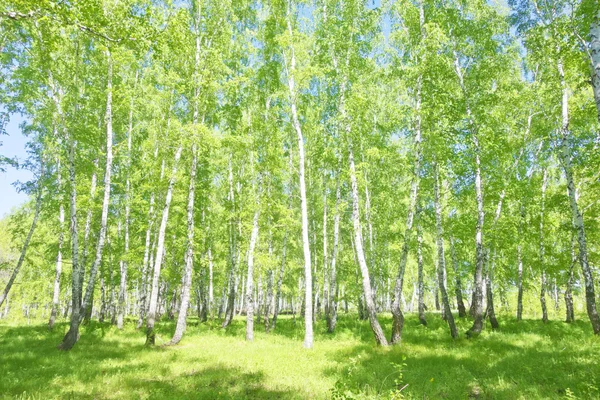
x: 399, y: 385
x: 341, y: 389
x: 569, y: 394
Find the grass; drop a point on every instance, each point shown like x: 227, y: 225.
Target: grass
x: 524, y: 360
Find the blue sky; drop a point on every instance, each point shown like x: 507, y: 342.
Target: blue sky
x: 13, y: 145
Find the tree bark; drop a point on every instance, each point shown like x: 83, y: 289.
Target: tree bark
x: 491, y: 311
x: 123, y: 282
x: 230, y: 307
x: 595, y: 58
x: 366, y: 281
x: 308, y: 319
x: 520, y: 269
x: 86, y: 237
x: 462, y: 311
x: 189, y: 255
x: 333, y: 286
x: 160, y: 249
x: 565, y: 156
x: 542, y: 251
x: 73, y: 334
x: 61, y: 234
x: 441, y: 256
x: 420, y: 278
x: 569, y: 289
x: 398, y: 317
x: 477, y: 304
x: 250, y: 278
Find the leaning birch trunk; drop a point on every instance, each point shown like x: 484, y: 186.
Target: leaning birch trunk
x: 569, y: 289
x: 491, y: 311
x: 86, y: 235
x: 420, y: 278
x: 366, y: 281
x: 58, y: 273
x: 250, y: 279
x: 333, y: 287
x: 73, y: 334
x: 189, y: 255
x: 123, y: 282
x: 36, y: 215
x: 520, y: 270
x: 308, y: 319
x: 441, y: 256
x: 230, y: 307
x: 462, y: 311
x: 542, y: 251
x: 211, y: 295
x: 76, y: 281
x: 160, y: 250
x: 565, y: 156
x: 595, y: 58
x: 477, y: 305
x: 398, y: 317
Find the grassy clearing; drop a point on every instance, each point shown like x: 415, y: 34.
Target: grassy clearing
x: 525, y: 360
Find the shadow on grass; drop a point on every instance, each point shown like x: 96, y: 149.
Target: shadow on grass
x: 526, y: 359
x: 32, y: 367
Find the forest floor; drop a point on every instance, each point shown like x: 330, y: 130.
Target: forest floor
x: 523, y: 360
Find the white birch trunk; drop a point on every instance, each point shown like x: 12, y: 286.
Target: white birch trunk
x: 160, y: 250
x: 565, y: 155
x: 308, y: 319
x: 189, y: 255
x: 58, y: 273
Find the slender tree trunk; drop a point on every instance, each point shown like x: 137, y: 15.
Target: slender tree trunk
x: 250, y: 279
x: 595, y: 58
x: 36, y: 215
x: 542, y: 251
x: 189, y: 255
x: 366, y: 281
x: 489, y: 278
x: 477, y: 304
x: 211, y: 294
x: 73, y: 334
x: 160, y: 249
x: 420, y: 278
x: 326, y: 294
x: 333, y: 286
x: 230, y: 307
x: 441, y: 256
x: 86, y: 237
x: 308, y: 319
x: 123, y: 283
x: 259, y: 298
x: 569, y: 289
x: 462, y: 311
x: 565, y: 156
x: 76, y: 282
x: 520, y: 269
x: 58, y: 273
x: 398, y: 317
